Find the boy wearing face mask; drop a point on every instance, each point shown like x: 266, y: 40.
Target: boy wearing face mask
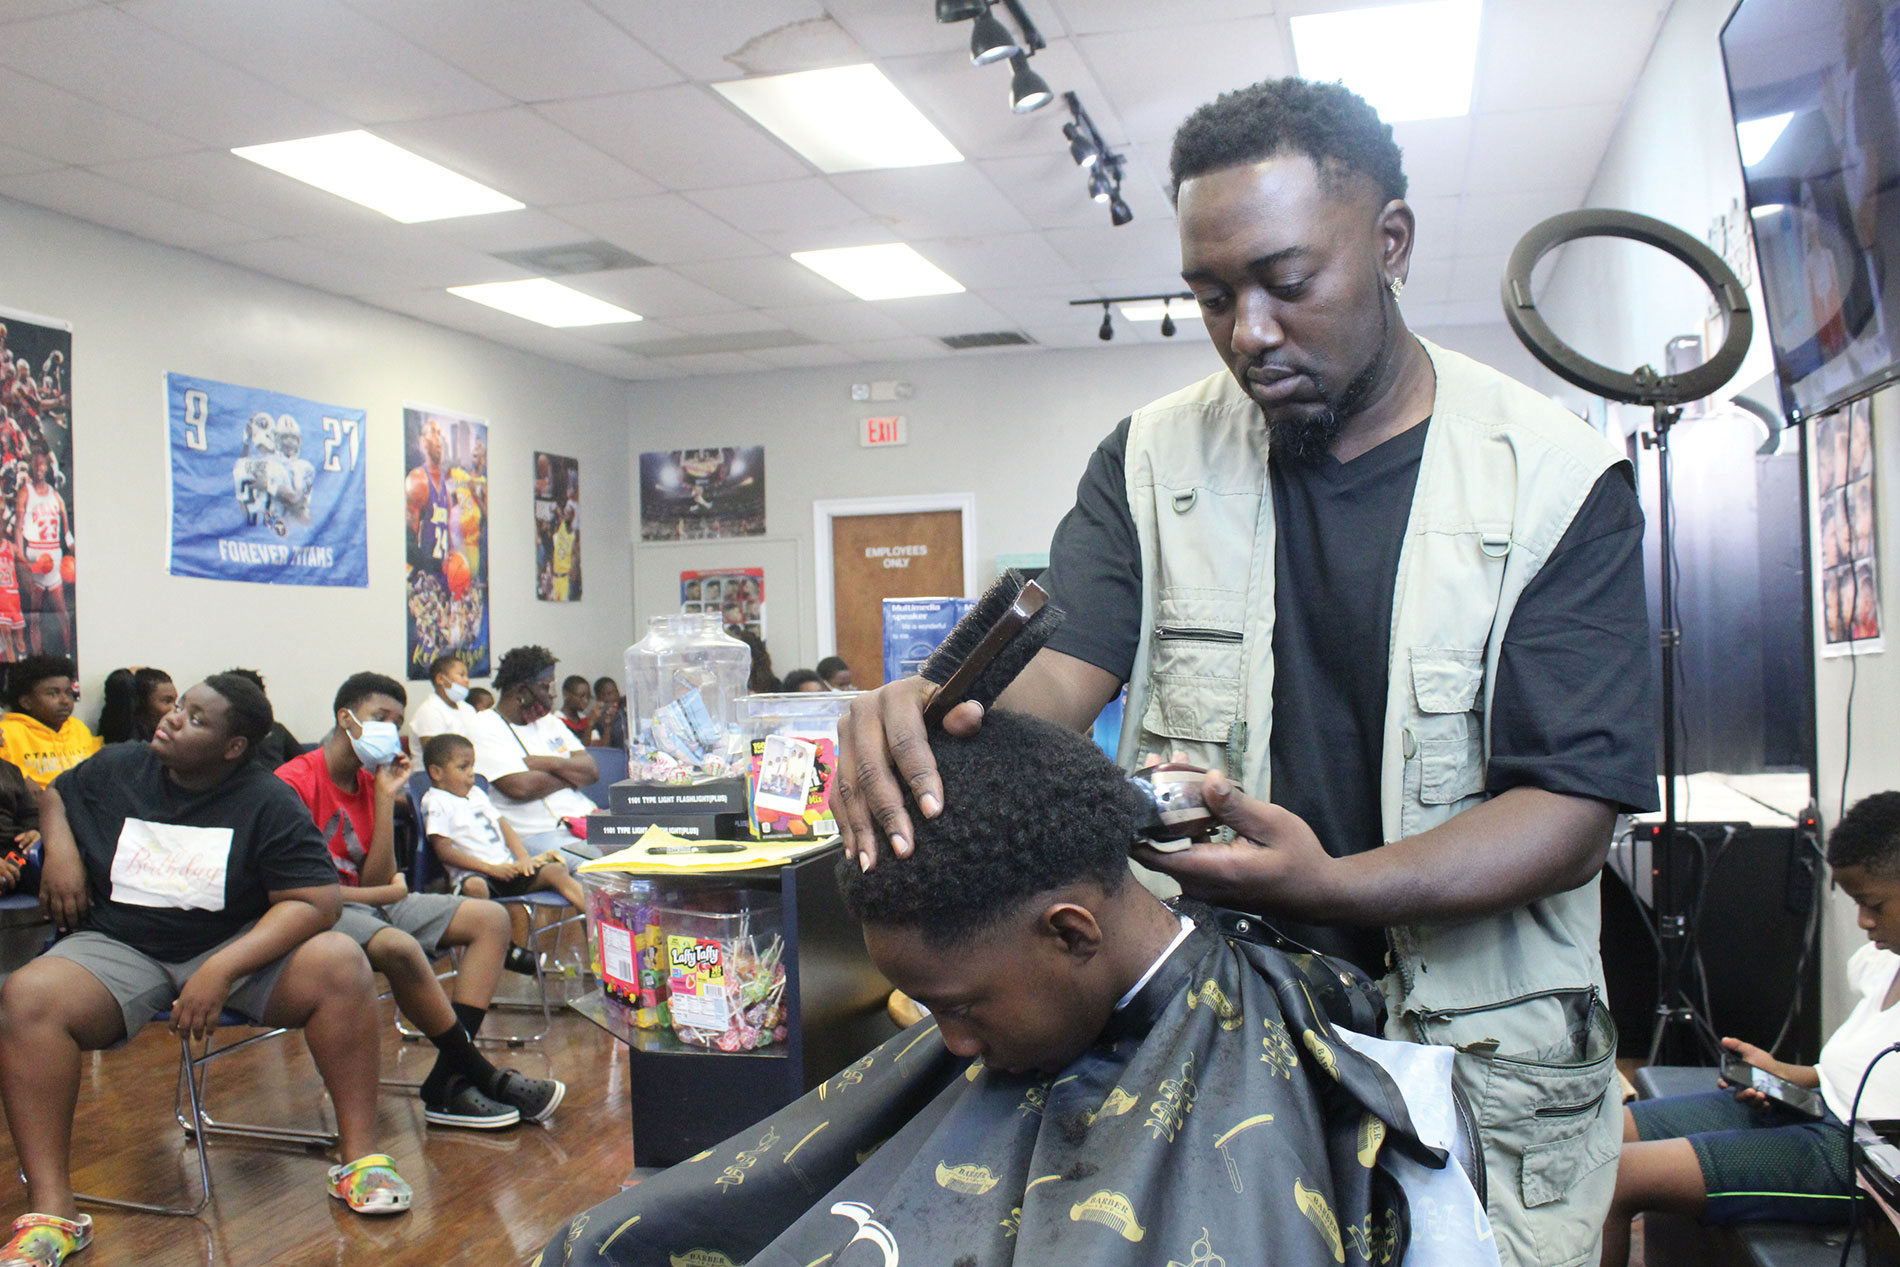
x: 446, y: 711
x: 350, y: 784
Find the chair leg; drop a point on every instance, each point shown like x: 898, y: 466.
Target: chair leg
x: 202, y: 1122
x: 188, y: 1091
x: 535, y: 930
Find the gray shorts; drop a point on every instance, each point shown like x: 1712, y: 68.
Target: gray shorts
x: 424, y: 916
x: 143, y: 986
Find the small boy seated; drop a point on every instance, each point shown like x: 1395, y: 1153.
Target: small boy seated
x: 40, y: 734
x: 1104, y: 1079
x: 185, y: 877
x: 484, y: 856
x: 19, y: 831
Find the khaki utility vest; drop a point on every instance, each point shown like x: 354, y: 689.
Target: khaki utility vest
x: 1504, y: 472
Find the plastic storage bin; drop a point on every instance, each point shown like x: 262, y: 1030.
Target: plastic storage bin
x: 628, y: 945
x: 683, y: 681
x: 792, y: 739
x: 725, y: 971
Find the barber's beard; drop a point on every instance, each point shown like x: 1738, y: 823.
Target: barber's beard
x: 1308, y: 436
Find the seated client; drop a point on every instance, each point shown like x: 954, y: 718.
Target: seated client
x: 1104, y: 1079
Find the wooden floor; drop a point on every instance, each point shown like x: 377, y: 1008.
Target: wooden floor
x: 481, y: 1196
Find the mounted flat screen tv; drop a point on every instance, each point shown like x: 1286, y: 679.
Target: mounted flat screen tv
x: 1815, y: 87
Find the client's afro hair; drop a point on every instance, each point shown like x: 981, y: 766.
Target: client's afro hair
x: 1028, y: 807
x: 1868, y: 836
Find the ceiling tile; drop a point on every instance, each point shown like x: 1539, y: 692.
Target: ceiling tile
x: 685, y: 137
x: 22, y: 10
x: 323, y: 51
x: 524, y: 230
x: 523, y: 155
x: 932, y: 202
x: 111, y: 58
x: 90, y: 196
x: 726, y: 41
x: 1427, y: 282
x: 1074, y: 333
x: 306, y: 264
x: 770, y: 281
x: 795, y: 215
x: 18, y: 163
x: 914, y: 348
x: 941, y: 315
x: 713, y: 363
x: 970, y: 104
x: 652, y: 292
x: 855, y: 321
x: 532, y: 50
x: 1553, y: 150
x: 730, y: 321
x: 1604, y: 46
x: 1437, y: 219
x: 1001, y: 259
x: 1144, y: 248
x: 816, y: 354
x: 891, y: 30
x: 1485, y: 224
x: 1435, y: 155
x: 1085, y: 16
x: 223, y: 184
x: 1155, y: 77
x: 409, y: 256
x: 1028, y: 307
x: 666, y: 229
x: 1475, y: 278
x: 1048, y: 189
x: 74, y: 131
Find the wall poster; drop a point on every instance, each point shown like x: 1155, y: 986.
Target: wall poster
x: 700, y: 494
x: 736, y: 594
x: 557, y: 528
x: 37, y: 567
x: 1848, y: 552
x: 445, y: 455
x: 265, y: 487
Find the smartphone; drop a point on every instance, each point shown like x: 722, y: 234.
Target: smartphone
x: 1740, y: 1073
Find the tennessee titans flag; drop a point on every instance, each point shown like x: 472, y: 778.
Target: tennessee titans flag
x: 265, y: 487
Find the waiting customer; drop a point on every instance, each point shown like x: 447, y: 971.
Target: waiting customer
x: 279, y: 745
x: 41, y: 735
x: 1734, y: 1156
x: 186, y: 878
x: 836, y: 674
x: 578, y: 713
x: 447, y: 710
x: 136, y: 701
x: 349, y: 784
x: 610, y: 724
x: 534, y: 766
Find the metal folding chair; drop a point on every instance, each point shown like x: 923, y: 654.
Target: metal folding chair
x: 188, y: 1107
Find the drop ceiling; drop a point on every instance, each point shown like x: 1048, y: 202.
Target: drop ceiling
x: 598, y: 115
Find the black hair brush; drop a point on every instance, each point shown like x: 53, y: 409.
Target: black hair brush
x: 991, y: 645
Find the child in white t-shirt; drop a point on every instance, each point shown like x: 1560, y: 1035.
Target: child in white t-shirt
x: 484, y: 856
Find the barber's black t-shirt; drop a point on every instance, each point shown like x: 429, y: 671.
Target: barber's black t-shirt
x: 1573, y: 707
x: 174, y: 873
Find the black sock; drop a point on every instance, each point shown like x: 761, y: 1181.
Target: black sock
x: 459, y: 1056
x: 471, y: 1017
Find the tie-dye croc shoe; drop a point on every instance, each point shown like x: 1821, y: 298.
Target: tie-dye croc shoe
x: 369, y: 1185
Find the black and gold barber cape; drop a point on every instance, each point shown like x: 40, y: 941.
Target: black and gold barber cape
x: 1219, y: 1120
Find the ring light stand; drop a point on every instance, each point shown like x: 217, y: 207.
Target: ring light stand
x: 1665, y: 394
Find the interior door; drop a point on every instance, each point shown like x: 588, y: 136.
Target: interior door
x: 875, y: 557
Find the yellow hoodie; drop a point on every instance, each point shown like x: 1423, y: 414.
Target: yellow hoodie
x: 43, y: 753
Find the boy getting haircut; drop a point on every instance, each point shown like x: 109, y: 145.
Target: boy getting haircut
x: 1105, y: 1079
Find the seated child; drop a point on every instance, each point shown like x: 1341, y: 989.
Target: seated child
x: 186, y: 878
x: 350, y: 784
x: 483, y: 854
x: 1104, y: 1079
x: 1734, y: 1156
x: 41, y: 735
x: 19, y: 831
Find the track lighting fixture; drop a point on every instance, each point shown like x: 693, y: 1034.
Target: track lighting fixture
x: 1107, y: 331
x: 959, y: 10
x: 1167, y: 319
x: 1027, y: 90
x: 1092, y: 155
x: 1137, y: 308
x: 1099, y: 187
x: 1081, y: 148
x: 990, y: 40
x: 1118, y: 212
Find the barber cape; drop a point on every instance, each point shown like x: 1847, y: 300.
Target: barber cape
x: 1221, y: 1119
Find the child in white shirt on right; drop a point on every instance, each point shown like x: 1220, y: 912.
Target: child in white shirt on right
x: 484, y: 856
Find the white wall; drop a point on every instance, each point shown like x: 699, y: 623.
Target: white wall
x: 1014, y: 428
x: 139, y: 310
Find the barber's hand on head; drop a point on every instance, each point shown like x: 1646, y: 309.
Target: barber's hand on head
x: 1275, y: 854
x: 195, y: 1011
x: 393, y: 777
x: 63, y: 894
x: 883, y: 749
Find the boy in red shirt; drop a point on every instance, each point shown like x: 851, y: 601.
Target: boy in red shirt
x: 350, y: 784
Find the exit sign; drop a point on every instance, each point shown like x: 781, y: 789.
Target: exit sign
x: 877, y: 432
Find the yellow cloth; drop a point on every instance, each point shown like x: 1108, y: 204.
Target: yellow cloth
x: 660, y: 852
x: 563, y: 551
x: 42, y: 753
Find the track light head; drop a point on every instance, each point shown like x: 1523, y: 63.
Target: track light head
x: 1081, y: 149
x: 1099, y: 187
x: 1027, y: 90
x: 1167, y: 324
x: 1107, y: 330
x: 990, y: 40
x: 959, y: 10
x: 1118, y: 212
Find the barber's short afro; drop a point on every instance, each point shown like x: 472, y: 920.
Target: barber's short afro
x: 1329, y: 123
x: 1028, y: 807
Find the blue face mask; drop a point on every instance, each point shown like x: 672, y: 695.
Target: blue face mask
x: 378, y: 745
x: 457, y: 692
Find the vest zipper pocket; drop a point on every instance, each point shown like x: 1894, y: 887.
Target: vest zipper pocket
x: 1572, y: 1110
x: 1168, y: 633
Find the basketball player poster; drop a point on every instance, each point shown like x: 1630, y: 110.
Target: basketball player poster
x: 557, y: 528
x: 697, y: 494
x: 445, y: 491
x: 37, y: 567
x: 265, y: 487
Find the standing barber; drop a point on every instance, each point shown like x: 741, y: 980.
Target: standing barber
x: 1400, y: 597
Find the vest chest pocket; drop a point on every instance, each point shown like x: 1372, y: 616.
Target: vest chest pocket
x: 1446, y: 734
x: 1194, y: 683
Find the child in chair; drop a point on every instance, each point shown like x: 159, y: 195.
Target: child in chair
x: 482, y: 852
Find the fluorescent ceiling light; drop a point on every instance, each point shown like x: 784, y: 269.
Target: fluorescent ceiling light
x: 847, y: 119
x: 1410, y: 61
x: 1767, y: 209
x: 893, y: 271
x: 1758, y: 136
x: 1154, y: 310
x: 550, y: 303
x: 381, y: 176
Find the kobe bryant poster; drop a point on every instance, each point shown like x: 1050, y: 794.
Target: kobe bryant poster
x: 557, y: 528
x: 37, y: 567
x: 265, y: 487
x: 696, y: 494
x: 445, y: 494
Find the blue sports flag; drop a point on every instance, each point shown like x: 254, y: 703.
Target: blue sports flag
x: 265, y: 487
